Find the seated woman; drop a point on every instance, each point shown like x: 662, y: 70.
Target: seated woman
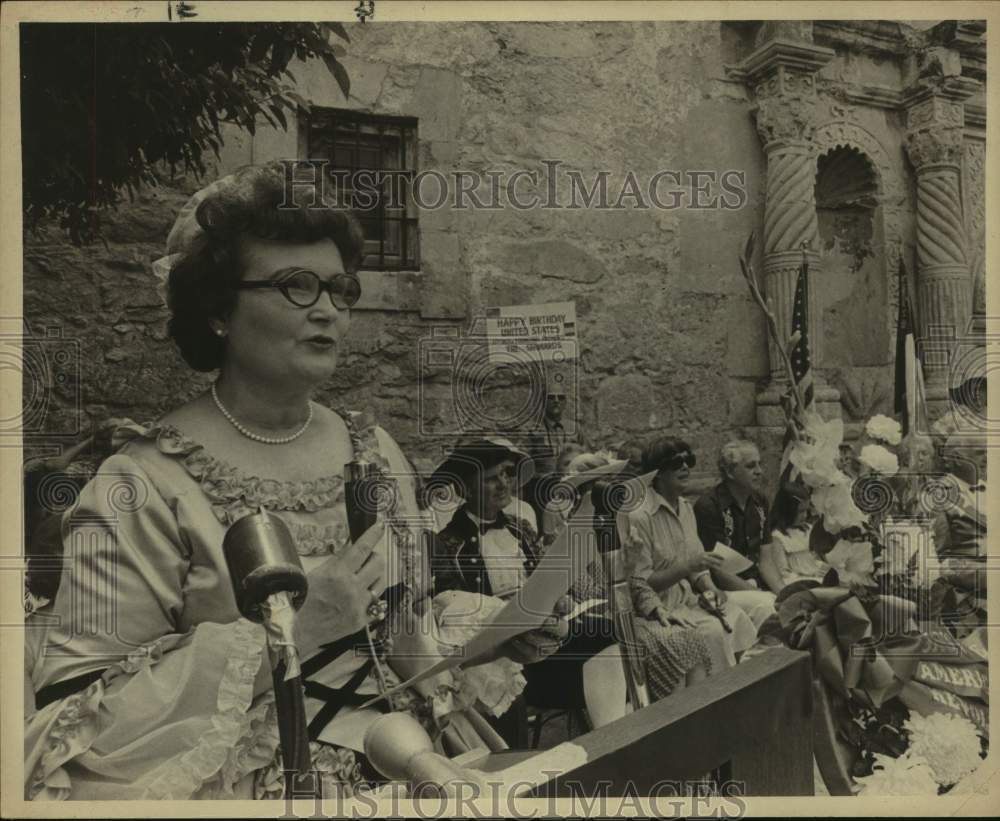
x: 153, y: 686
x: 669, y: 567
x: 486, y: 551
x: 788, y: 548
x: 482, y: 550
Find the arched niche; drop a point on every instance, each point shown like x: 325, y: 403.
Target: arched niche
x: 853, y: 289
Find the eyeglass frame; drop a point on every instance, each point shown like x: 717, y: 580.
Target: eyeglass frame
x: 679, y: 460
x: 323, y: 285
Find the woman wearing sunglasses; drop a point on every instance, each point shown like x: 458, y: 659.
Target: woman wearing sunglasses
x: 171, y: 698
x: 670, y: 571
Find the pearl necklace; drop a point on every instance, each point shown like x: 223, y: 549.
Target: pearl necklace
x: 267, y: 440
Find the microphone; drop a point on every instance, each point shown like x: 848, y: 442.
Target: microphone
x: 361, y: 491
x: 270, y: 585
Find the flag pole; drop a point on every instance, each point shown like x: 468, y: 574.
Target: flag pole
x: 783, y: 344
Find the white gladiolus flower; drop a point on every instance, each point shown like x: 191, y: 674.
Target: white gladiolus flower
x: 836, y: 505
x: 853, y: 561
x: 815, y: 456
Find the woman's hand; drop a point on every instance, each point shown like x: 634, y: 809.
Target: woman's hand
x: 667, y: 619
x: 341, y: 590
x: 543, y: 641
x: 703, y: 561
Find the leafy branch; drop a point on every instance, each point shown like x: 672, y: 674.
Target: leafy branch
x: 105, y: 105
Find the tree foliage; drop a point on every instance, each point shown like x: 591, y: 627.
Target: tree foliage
x: 102, y: 105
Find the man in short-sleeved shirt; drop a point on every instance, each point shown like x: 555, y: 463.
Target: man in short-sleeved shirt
x: 734, y: 513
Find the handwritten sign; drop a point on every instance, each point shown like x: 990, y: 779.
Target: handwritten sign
x: 544, y: 332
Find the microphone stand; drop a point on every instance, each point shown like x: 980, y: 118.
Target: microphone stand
x: 270, y: 585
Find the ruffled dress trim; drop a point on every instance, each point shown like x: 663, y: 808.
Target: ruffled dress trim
x: 70, y: 733
x: 233, y: 493
x: 184, y: 776
x: 76, y: 725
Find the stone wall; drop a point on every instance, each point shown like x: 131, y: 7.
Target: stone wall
x: 669, y: 339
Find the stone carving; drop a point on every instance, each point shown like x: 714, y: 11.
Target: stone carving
x: 785, y: 118
x: 843, y: 134
x: 790, y: 209
x: 793, y: 30
x: 785, y: 114
x: 975, y: 179
x: 937, y: 145
x: 863, y: 392
x: 940, y: 233
x: 935, y: 111
x: 973, y: 185
x: 942, y: 269
x: 891, y: 194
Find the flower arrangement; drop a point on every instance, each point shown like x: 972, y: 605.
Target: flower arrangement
x: 895, y: 734
x: 942, y: 750
x: 948, y: 743
x: 906, y: 775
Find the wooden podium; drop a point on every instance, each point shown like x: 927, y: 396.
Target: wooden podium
x: 750, y: 726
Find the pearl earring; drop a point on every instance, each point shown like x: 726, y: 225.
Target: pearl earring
x: 219, y: 332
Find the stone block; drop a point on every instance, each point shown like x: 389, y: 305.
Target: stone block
x: 625, y: 403
x: 742, y: 396
x: 275, y: 143
x: 559, y: 40
x: 444, y: 288
x: 236, y: 150
x: 366, y: 83
x: 390, y: 291
x: 551, y: 258
x: 746, y: 339
x: 437, y: 101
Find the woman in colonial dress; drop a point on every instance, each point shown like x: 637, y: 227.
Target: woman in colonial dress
x: 147, y: 682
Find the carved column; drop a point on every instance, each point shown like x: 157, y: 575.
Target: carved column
x: 782, y: 75
x: 935, y: 144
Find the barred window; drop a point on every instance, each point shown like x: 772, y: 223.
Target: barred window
x: 371, y: 159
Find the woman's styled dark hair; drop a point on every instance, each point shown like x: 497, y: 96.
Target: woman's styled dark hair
x: 788, y: 501
x: 662, y: 451
x: 263, y: 201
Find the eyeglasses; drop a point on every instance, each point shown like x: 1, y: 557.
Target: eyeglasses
x: 303, y: 288
x: 685, y: 457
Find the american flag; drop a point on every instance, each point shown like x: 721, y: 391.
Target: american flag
x: 801, y: 364
x: 909, y: 388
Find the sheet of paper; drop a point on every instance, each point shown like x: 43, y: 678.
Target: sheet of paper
x: 583, y: 607
x: 574, y: 547
x: 732, y: 562
x: 612, y: 468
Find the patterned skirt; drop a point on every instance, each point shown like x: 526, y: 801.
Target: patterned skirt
x: 670, y: 654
